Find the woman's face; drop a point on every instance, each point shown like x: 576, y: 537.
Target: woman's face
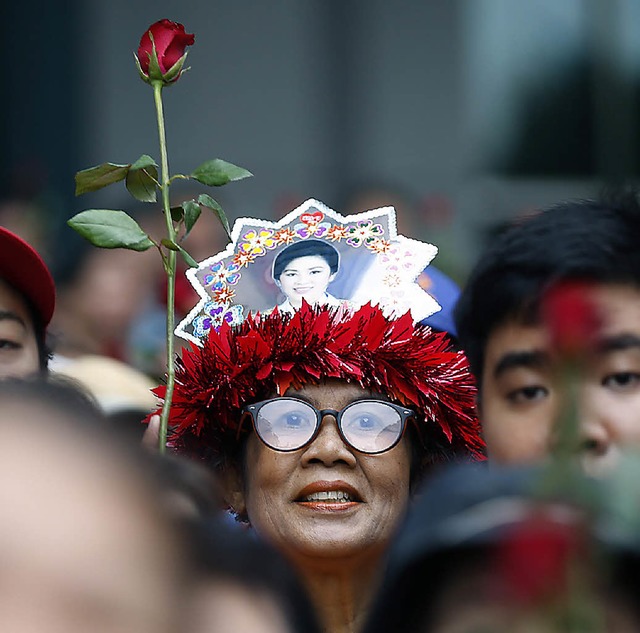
x: 306, y: 278
x: 297, y: 500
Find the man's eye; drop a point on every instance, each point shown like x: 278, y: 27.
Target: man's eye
x: 6, y: 344
x: 623, y: 380
x: 529, y: 394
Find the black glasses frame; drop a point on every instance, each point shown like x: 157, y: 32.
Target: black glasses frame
x: 252, y: 410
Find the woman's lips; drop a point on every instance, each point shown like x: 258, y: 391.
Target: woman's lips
x: 329, y: 496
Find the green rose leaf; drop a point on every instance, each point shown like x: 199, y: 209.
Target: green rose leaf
x: 107, y: 228
x: 141, y: 183
x: 207, y: 201
x: 170, y: 244
x: 100, y: 176
x: 143, y: 162
x: 177, y: 213
x: 142, y: 179
x: 218, y: 172
x: 191, y: 214
x: 187, y: 258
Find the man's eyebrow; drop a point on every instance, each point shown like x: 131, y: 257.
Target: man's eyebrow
x: 7, y: 315
x: 618, y: 343
x: 516, y: 360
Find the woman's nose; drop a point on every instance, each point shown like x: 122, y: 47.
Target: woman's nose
x: 328, y: 448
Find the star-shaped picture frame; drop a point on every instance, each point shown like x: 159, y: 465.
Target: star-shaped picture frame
x: 269, y: 264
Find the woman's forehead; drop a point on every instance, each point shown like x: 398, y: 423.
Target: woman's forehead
x: 308, y: 261
x: 333, y: 391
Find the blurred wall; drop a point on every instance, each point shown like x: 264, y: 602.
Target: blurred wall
x: 475, y: 110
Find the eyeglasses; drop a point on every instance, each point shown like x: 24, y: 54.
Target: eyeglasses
x: 289, y: 424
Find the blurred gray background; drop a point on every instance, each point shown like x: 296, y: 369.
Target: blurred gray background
x: 466, y: 112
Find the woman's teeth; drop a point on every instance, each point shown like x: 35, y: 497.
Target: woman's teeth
x: 333, y: 495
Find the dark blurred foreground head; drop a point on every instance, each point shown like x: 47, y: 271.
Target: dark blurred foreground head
x: 85, y: 542
x: 483, y: 551
x: 245, y: 585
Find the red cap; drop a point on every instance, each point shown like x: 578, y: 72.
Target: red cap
x: 23, y: 269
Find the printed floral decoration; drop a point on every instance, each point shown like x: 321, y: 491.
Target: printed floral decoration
x: 337, y: 232
x: 383, y: 272
x: 311, y: 225
x: 215, y: 315
x: 364, y: 232
x: 221, y: 275
x: 284, y: 236
x: 257, y: 242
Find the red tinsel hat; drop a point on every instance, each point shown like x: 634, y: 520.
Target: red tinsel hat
x: 253, y: 337
x: 268, y: 354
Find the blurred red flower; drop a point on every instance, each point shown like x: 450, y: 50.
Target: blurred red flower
x: 534, y: 558
x: 572, y: 317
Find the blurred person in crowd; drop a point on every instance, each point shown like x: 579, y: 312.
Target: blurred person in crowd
x: 100, y: 294
x: 27, y: 301
x: 244, y: 585
x: 27, y: 220
x: 85, y: 542
x: 501, y: 329
x: 190, y: 488
x: 482, y: 550
x: 146, y: 336
x: 122, y: 392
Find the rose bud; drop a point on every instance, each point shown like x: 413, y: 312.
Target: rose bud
x: 572, y: 317
x: 161, y: 54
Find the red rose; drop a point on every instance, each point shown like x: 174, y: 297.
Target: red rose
x: 170, y: 42
x: 572, y: 317
x: 535, y: 556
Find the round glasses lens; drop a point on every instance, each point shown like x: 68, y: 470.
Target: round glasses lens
x: 371, y: 427
x: 285, y: 424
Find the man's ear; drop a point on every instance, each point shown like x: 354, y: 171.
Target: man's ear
x: 232, y: 483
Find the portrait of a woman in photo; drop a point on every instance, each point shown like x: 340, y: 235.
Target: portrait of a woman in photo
x: 304, y: 270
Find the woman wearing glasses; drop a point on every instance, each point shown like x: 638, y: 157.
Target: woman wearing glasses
x: 320, y: 424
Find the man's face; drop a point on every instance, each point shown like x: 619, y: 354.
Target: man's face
x: 521, y: 393
x: 18, y: 347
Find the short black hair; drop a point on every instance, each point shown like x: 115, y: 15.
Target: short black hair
x: 590, y: 240
x: 306, y: 248
x: 45, y: 351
